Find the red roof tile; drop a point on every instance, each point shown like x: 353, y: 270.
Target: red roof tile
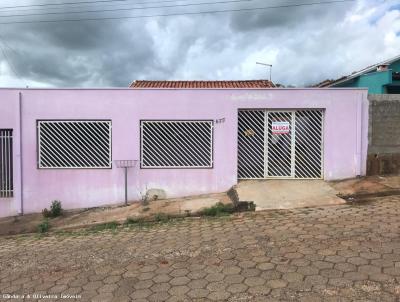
x: 203, y: 84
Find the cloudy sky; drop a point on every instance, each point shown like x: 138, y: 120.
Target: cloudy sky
x: 305, y: 44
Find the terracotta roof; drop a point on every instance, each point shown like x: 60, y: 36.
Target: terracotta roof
x: 203, y: 84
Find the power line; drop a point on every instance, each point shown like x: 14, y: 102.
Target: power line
x: 179, y: 14
x: 83, y: 2
x: 83, y: 6
x: 127, y: 8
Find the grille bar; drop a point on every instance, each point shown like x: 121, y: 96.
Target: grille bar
x: 176, y: 144
x: 6, y: 163
x: 74, y: 144
x: 251, y: 135
x: 279, y: 146
x: 309, y: 142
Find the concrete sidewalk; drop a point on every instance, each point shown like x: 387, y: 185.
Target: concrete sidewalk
x: 288, y: 194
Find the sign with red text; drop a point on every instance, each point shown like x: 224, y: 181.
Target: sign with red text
x: 280, y: 127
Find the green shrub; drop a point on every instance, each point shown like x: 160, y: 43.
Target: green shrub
x: 44, y: 226
x: 218, y: 209
x: 55, y: 210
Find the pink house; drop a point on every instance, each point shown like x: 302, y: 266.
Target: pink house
x: 64, y: 143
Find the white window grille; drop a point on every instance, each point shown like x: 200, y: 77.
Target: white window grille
x: 176, y: 144
x: 74, y: 144
x: 6, y: 163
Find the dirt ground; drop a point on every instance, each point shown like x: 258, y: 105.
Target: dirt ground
x: 87, y: 217
x: 367, y: 185
x: 341, y: 253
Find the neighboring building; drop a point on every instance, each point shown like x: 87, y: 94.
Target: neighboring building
x: 381, y: 78
x: 203, y: 84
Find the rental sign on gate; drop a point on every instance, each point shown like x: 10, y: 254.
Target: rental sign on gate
x: 280, y: 127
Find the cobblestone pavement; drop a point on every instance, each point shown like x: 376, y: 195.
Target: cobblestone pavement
x: 337, y: 253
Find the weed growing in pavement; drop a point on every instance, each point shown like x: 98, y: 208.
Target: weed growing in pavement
x: 218, y: 209
x: 104, y: 226
x: 148, y: 222
x: 134, y: 221
x: 162, y: 217
x: 44, y: 226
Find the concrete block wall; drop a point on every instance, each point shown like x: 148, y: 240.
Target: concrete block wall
x: 384, y: 134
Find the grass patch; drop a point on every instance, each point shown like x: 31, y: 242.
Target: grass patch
x: 134, y: 221
x: 143, y: 222
x: 162, y: 217
x: 218, y: 209
x: 104, y: 226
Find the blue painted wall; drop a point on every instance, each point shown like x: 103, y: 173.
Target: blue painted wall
x: 376, y: 82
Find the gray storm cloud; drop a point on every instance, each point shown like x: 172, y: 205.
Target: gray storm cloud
x: 305, y: 44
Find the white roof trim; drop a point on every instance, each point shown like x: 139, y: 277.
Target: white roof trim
x: 365, y: 70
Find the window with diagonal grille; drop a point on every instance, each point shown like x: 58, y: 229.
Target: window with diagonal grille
x: 74, y: 144
x: 176, y: 144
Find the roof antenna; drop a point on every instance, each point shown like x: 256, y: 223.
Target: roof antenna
x: 270, y: 69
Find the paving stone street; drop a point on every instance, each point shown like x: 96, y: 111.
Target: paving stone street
x: 335, y: 253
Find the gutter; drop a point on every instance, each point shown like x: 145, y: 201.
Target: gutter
x: 359, y: 137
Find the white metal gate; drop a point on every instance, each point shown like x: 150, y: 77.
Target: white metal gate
x: 280, y: 144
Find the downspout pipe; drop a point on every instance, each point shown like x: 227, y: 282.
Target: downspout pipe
x: 21, y: 170
x: 359, y: 137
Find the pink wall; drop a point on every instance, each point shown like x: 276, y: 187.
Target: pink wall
x: 345, y: 138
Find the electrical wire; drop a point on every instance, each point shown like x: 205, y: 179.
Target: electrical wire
x: 179, y: 14
x: 83, y: 6
x: 82, y: 2
x: 127, y: 8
